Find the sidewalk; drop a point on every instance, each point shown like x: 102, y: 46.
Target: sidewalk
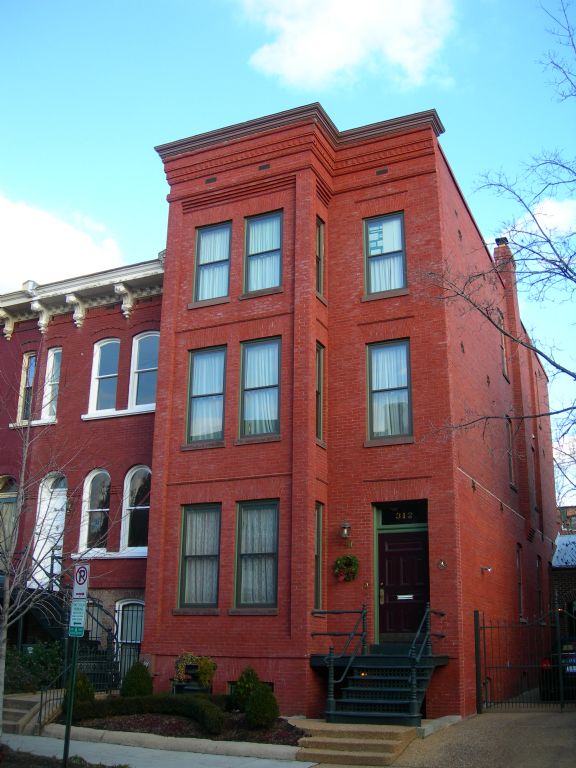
x: 507, y: 740
x: 155, y: 754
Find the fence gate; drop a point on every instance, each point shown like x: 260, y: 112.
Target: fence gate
x: 517, y: 665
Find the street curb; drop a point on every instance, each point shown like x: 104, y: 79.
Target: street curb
x: 174, y: 743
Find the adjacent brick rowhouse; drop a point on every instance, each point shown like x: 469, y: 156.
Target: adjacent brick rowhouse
x: 487, y: 520
x: 476, y: 486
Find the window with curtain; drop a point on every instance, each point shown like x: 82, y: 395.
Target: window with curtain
x: 320, y: 257
x: 8, y: 516
x: 51, y: 384
x: 98, y: 511
x: 136, y: 508
x: 200, y: 555
x: 105, y: 375
x: 212, y: 261
x: 263, y: 251
x: 318, y: 556
x: 260, y: 388
x: 319, y: 391
x: 144, y: 371
x: 389, y: 389
x: 510, y: 450
x: 385, y: 258
x: 27, y: 386
x: 257, y: 567
x: 206, y: 409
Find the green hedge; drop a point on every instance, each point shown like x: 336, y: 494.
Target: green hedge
x: 195, y: 707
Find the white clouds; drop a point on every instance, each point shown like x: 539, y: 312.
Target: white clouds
x: 35, y: 245
x: 556, y: 215
x: 318, y: 42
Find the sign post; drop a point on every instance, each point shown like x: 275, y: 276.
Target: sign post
x: 75, y: 630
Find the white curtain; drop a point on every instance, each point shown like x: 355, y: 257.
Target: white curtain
x: 213, y: 253
x: 207, y: 395
x: 389, y: 386
x: 258, y: 549
x: 385, y: 255
x: 201, y: 557
x: 261, y: 388
x: 264, y: 253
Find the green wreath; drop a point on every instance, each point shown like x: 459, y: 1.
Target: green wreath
x: 346, y: 567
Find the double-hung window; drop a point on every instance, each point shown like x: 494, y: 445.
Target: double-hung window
x: 105, y: 375
x: 385, y: 256
x: 212, y: 262
x: 51, y: 384
x: 200, y: 556
x: 319, y: 257
x: 257, y: 560
x: 206, y: 408
x: 389, y: 389
x: 96, y: 511
x: 260, y: 388
x: 136, y: 508
x: 319, y: 391
x: 318, y: 556
x: 144, y: 370
x: 27, y: 387
x: 263, y: 252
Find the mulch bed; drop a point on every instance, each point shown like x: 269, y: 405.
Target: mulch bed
x: 235, y: 728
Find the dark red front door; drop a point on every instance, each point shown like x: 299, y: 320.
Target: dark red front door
x: 404, y: 581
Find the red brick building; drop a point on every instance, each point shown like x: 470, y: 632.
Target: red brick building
x: 312, y: 378
x: 79, y: 360
x: 312, y: 375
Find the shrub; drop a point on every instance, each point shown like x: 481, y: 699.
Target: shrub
x: 83, y: 692
x: 262, y: 708
x: 19, y: 677
x: 195, y: 707
x: 30, y: 670
x: 243, y: 687
x: 137, y: 681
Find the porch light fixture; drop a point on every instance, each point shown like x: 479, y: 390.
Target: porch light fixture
x: 486, y: 568
x: 345, y: 529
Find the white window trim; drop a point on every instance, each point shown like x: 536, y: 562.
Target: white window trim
x: 132, y: 407
x: 21, y: 392
x: 47, y: 395
x: 83, y: 549
x: 125, y: 527
x: 94, y: 380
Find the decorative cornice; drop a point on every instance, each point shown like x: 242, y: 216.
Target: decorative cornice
x: 127, y: 298
x: 44, y: 315
x: 79, y: 313
x: 8, y: 323
x: 310, y: 113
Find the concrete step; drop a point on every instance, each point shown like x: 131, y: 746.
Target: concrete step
x: 326, y: 756
x: 343, y: 744
x: 349, y: 745
x: 20, y: 713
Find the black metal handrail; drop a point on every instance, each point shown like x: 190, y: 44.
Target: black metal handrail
x: 52, y: 695
x: 423, y: 638
x: 358, y: 649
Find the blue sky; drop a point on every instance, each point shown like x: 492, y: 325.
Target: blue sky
x: 89, y: 88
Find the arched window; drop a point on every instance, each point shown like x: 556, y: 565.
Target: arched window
x: 136, y: 508
x: 144, y: 370
x: 104, y: 375
x: 49, y: 531
x: 96, y: 510
x: 8, y: 516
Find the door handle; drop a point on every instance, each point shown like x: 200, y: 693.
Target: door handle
x: 381, y: 594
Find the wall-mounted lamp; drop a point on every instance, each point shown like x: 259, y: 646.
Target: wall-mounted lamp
x: 486, y: 569
x: 441, y: 564
x: 345, y: 531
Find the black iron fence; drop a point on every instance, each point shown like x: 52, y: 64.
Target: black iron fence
x: 522, y: 665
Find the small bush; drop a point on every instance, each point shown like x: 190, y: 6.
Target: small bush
x: 33, y: 669
x: 243, y: 687
x: 262, y: 708
x: 137, y: 681
x: 195, y: 707
x: 83, y: 692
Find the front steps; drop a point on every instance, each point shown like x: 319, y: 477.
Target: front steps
x: 20, y: 712
x: 352, y: 744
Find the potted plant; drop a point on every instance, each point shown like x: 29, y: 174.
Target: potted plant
x: 192, y: 671
x: 346, y: 567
